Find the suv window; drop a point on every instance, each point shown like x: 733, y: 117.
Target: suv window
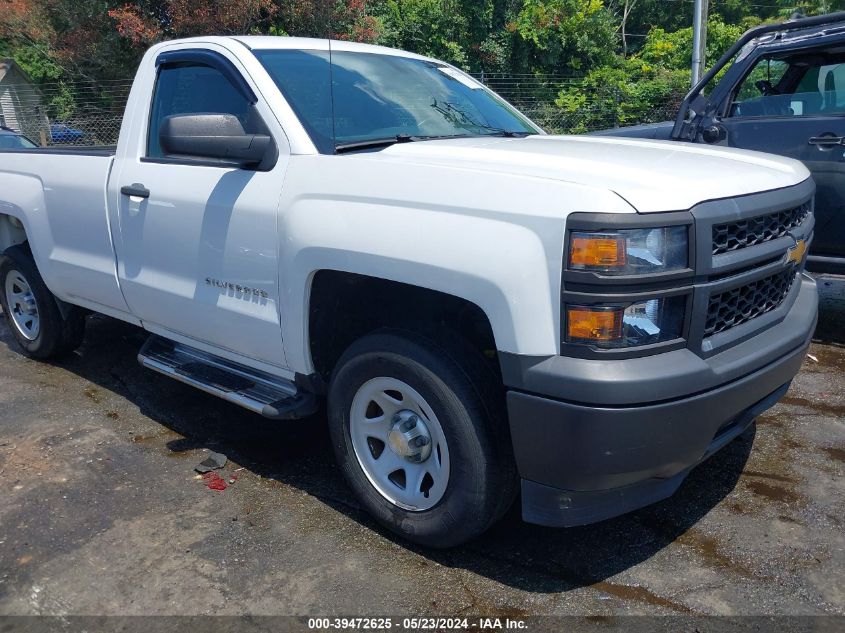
x: 195, y: 89
x: 767, y: 70
x: 823, y: 89
x: 757, y: 94
x: 791, y: 88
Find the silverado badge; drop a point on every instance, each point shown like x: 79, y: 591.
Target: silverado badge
x: 796, y: 253
x: 237, y: 288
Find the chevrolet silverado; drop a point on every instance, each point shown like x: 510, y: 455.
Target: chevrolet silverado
x: 486, y: 309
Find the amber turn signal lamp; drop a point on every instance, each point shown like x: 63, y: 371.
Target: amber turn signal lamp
x: 593, y: 325
x: 596, y: 251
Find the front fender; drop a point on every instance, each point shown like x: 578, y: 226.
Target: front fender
x: 474, y: 266
x: 494, y: 239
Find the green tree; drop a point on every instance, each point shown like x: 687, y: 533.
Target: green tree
x: 563, y: 36
x: 428, y: 27
x: 646, y: 87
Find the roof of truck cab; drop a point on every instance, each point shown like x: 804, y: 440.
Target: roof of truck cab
x: 270, y: 42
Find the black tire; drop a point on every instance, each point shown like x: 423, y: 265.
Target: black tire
x: 57, y: 334
x: 482, y: 480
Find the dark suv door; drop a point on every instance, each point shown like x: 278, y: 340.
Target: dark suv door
x: 793, y: 104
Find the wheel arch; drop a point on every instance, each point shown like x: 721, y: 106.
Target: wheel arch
x: 368, y: 303
x: 12, y: 231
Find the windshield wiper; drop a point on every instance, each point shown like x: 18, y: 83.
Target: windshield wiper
x: 399, y: 138
x: 457, y: 116
x: 374, y: 142
x: 506, y: 133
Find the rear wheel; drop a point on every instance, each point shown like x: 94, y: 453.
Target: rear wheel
x: 31, y: 310
x: 416, y: 439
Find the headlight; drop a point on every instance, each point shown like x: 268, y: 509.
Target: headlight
x: 629, y: 251
x: 612, y: 327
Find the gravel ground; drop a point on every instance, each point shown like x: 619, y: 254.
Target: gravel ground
x: 101, y: 511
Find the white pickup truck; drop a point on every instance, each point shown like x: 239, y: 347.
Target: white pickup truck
x: 485, y: 308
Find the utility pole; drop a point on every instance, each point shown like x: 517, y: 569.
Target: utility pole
x: 699, y: 39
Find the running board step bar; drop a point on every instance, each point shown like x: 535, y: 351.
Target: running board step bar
x: 270, y: 396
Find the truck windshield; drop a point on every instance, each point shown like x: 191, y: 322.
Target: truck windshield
x: 363, y: 97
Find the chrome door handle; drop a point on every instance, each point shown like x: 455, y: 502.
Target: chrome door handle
x: 827, y: 140
x: 136, y: 190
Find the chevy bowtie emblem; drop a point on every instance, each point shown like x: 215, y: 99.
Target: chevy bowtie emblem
x: 796, y: 253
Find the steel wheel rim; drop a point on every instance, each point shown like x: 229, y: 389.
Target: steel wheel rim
x: 376, y: 423
x: 22, y: 306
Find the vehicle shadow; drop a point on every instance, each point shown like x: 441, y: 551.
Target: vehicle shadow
x: 299, y: 454
x: 831, y: 326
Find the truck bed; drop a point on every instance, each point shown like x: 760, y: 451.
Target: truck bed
x: 61, y: 193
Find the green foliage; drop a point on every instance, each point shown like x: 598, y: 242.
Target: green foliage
x: 43, y: 69
x: 424, y: 27
x: 34, y: 61
x: 644, y: 88
x: 494, y: 53
x: 57, y: 42
x: 673, y: 50
x: 563, y: 36
x: 627, y: 93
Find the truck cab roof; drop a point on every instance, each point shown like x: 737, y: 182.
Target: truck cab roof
x: 276, y: 42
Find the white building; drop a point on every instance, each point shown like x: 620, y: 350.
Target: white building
x: 21, y: 107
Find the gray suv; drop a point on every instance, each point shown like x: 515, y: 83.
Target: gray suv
x: 784, y: 94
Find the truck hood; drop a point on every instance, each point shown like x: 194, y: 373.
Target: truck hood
x: 652, y: 176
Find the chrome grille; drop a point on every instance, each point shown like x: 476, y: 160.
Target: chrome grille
x: 743, y: 303
x: 732, y: 236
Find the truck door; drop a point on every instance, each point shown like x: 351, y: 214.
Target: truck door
x: 795, y: 106
x: 198, y: 245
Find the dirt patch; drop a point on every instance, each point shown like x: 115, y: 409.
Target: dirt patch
x: 738, y: 508
x: 634, y: 593
x: 835, y: 453
x: 823, y: 408
x: 93, y: 395
x: 769, y: 419
x: 707, y: 548
x: 829, y: 357
x: 756, y: 473
x: 789, y: 519
x: 787, y: 443
x: 774, y: 493
x: 29, y: 457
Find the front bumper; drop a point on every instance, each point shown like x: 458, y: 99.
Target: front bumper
x: 594, y: 454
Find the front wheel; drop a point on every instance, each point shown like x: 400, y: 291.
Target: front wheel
x: 417, y: 439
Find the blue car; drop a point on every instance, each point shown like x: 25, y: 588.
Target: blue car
x: 61, y: 133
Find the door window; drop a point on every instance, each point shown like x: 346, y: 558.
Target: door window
x: 195, y: 89
x: 823, y: 90
x: 758, y: 94
x: 791, y: 88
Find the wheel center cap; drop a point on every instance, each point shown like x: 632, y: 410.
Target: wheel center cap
x: 409, y: 437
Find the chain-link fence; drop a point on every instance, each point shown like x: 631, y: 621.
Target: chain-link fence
x: 71, y: 112
x: 536, y: 96
x: 90, y: 113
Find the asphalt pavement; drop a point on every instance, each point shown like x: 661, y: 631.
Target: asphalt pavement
x: 102, y: 512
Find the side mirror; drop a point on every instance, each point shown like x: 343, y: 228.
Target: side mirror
x: 214, y: 136
x: 713, y: 134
